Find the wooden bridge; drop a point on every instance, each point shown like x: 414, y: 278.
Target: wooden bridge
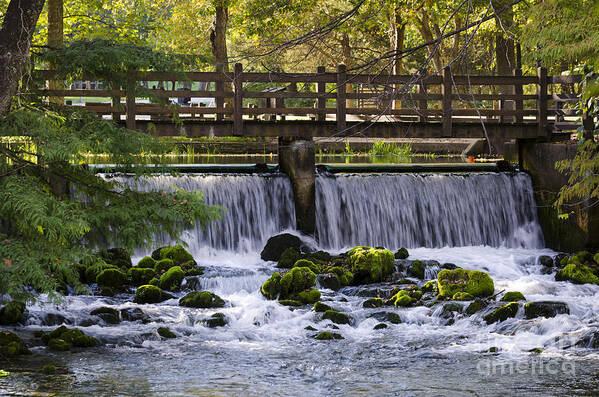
x: 327, y: 104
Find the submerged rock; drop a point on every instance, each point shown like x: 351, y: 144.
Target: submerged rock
x: 502, y: 313
x: 473, y: 282
x: 373, y: 303
x: 336, y: 317
x: 276, y: 245
x: 370, y: 265
x: 11, y: 345
x: 166, y: 332
x: 417, y: 269
x: 577, y: 273
x: 216, y: 320
x: 63, y: 338
x: 321, y: 307
x: 545, y: 309
x: 150, y: 294
x: 513, y: 296
x: 546, y: 261
x: 12, y: 313
x: 133, y: 314
x: 380, y: 326
x: 202, y: 300
x: 108, y: 314
x: 54, y: 319
x: 328, y: 335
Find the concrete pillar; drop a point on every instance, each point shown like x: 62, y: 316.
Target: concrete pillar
x: 297, y: 160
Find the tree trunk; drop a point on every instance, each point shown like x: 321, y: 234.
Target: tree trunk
x: 15, y: 40
x: 218, y: 41
x: 397, y: 37
x: 346, y: 49
x: 55, y: 40
x: 505, y: 55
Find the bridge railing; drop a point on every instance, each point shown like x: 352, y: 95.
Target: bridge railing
x: 340, y: 96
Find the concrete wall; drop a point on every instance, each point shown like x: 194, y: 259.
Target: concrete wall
x: 581, y: 229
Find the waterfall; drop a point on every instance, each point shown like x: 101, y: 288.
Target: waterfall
x: 390, y: 210
x: 415, y: 210
x: 256, y: 208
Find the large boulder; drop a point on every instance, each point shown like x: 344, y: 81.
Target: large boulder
x: 150, y: 294
x: 289, y: 285
x: 111, y: 278
x: 288, y: 258
x: 63, y: 338
x: 370, y: 265
x: 171, y: 280
x: 12, y: 313
x: 577, y: 274
x: 276, y: 245
x: 140, y: 275
x: 545, y: 309
x: 473, y: 282
x: 108, y: 314
x: 201, y: 300
x: 177, y: 254
x: 118, y: 257
x: 11, y: 345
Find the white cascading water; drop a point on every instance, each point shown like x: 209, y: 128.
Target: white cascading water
x: 437, y: 210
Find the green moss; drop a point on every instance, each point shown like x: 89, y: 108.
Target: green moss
x: 155, y: 282
x: 111, y: 278
x: 402, y: 298
x: 288, y: 258
x: 171, y: 280
x: 140, y: 275
x: 48, y: 369
x: 581, y: 257
x: 296, y: 280
x: 310, y: 296
x: 345, y: 276
x: 150, y: 294
x: 513, y: 296
x: 12, y: 313
x: 380, y: 326
x: 417, y: 269
x: 321, y: 256
x: 474, y: 282
x: 216, y: 320
x: 328, y: 335
x: 196, y: 271
x: 309, y: 264
x: 402, y: 253
x: 462, y: 296
x: 474, y: 307
x: 108, y: 314
x: 92, y: 272
x: 596, y: 257
x: 201, y: 299
x: 163, y: 265
x: 63, y: 338
x: 336, y: 317
x: 578, y: 274
x: 165, y: 332
x: 371, y: 265
x: 373, y: 303
x: 290, y: 302
x: 271, y: 287
x: 11, y: 345
x: 147, y: 262
x: 177, y: 254
x: 502, y: 313
x: 393, y: 318
x: 321, y: 307
x: 59, y: 344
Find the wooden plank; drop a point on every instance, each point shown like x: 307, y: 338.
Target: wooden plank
x: 321, y: 87
x: 494, y: 80
x: 238, y: 101
x: 542, y: 102
x: 157, y: 109
x: 289, y: 78
x: 284, y: 94
x: 80, y: 93
x: 492, y: 97
x: 564, y: 112
x: 493, y: 112
x: 423, y: 103
x: 288, y: 111
x: 190, y: 93
x: 341, y: 98
x: 519, y: 91
x: 394, y: 112
x: 446, y: 102
x: 389, y: 94
x: 382, y: 79
x: 130, y: 98
x: 564, y: 97
x: 566, y: 79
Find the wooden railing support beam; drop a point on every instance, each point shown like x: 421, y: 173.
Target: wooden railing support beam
x: 341, y: 98
x: 446, y: 102
x: 238, y: 100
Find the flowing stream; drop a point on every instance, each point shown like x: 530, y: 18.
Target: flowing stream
x: 480, y: 221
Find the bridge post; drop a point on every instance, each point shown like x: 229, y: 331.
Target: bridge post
x: 422, y: 103
x: 297, y: 160
x: 341, y: 97
x: 238, y: 101
x: 322, y: 89
x: 542, y: 103
x: 446, y: 102
x: 518, y: 90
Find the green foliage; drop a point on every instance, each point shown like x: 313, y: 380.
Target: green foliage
x: 583, y: 180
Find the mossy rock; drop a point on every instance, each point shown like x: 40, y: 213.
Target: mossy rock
x: 577, y: 274
x: 345, y: 276
x: 12, y: 313
x: 202, y: 300
x: 473, y: 282
x: 177, y: 254
x: 321, y: 307
x: 48, y: 369
x: 370, y: 265
x: 58, y: 344
x: 476, y: 306
x: 92, y: 272
x: 430, y: 287
x: 328, y: 335
x: 336, y: 317
x: 402, y: 299
x: 108, y: 314
x: 309, y: 264
x: 380, y: 326
x: 271, y: 287
x: 154, y: 281
x: 290, y: 302
x: 118, y: 257
x: 163, y: 265
x: 156, y: 254
x: 502, y: 313
x: 147, y: 262
x: 297, y: 280
x: 393, y: 318
x: 581, y: 257
x: 196, y: 271
x: 545, y: 309
x: 402, y: 253
x: 513, y: 296
x: 309, y: 297
x: 373, y: 303
x: 596, y: 257
x: 140, y: 275
x: 329, y: 280
x: 112, y: 278
x: 150, y: 294
x: 288, y: 258
x: 462, y: 296
x: 11, y: 345
x: 276, y: 245
x: 171, y: 280
x: 166, y: 332
x: 72, y: 337
x: 417, y: 269
x: 216, y: 320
